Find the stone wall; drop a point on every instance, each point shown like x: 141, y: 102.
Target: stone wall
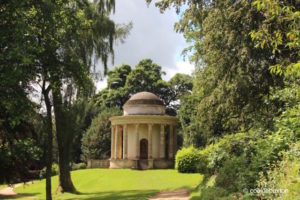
x: 98, y: 163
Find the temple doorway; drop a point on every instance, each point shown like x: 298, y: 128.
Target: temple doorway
x: 144, y: 149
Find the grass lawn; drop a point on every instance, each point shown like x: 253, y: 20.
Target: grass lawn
x: 3, y: 186
x: 116, y: 184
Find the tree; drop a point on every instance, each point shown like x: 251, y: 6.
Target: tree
x: 180, y: 85
x: 115, y: 95
x: 82, y: 112
x: 280, y: 32
x: 232, y: 82
x: 79, y: 35
x: 118, y: 76
x: 18, y: 53
x: 146, y: 76
x: 56, y: 43
x: 96, y: 140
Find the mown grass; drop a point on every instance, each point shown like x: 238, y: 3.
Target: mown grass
x: 3, y: 186
x: 112, y: 184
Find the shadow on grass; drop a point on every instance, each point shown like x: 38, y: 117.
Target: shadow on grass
x: 19, y: 196
x: 109, y: 195
x: 124, y: 195
x: 113, y: 195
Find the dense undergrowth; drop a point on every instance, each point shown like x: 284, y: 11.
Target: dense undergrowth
x: 254, y: 164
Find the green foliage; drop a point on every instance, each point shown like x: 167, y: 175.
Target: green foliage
x: 256, y: 158
x: 54, y: 44
x: 123, y: 82
x: 242, y: 111
x: 212, y: 193
x: 280, y: 32
x: 283, y: 175
x: 80, y: 116
x: 232, y: 81
x: 187, y: 160
x: 54, y: 171
x: 17, y: 158
x: 118, y: 76
x: 96, y: 140
x: 233, y: 174
x: 180, y: 86
x: 147, y: 76
x: 18, y: 53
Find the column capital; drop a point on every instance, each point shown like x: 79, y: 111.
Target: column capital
x: 137, y: 126
x: 150, y: 126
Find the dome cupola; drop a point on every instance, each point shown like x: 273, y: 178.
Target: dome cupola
x: 144, y: 103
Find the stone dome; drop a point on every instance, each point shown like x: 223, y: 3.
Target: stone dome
x: 144, y: 103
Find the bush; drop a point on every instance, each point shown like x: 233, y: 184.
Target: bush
x: 54, y: 171
x: 77, y: 166
x: 234, y: 175
x: 187, y: 160
x: 212, y: 193
x: 283, y: 175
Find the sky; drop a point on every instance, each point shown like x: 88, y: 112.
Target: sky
x: 152, y: 36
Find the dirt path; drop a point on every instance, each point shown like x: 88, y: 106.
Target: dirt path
x: 181, y: 194
x: 9, y: 191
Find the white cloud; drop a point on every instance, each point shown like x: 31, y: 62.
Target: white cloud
x: 101, y: 84
x: 181, y: 67
x: 152, y: 36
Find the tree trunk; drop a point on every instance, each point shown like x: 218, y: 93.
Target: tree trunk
x: 64, y: 142
x: 49, y: 142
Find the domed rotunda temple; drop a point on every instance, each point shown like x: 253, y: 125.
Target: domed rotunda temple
x: 144, y: 137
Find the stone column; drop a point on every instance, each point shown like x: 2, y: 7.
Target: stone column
x: 171, y: 148
x: 125, y: 141
x: 149, y: 141
x: 112, y: 146
x: 175, y: 139
x: 162, y: 141
x: 116, y: 142
x: 137, y: 141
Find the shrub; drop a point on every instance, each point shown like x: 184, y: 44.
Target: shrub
x: 212, y: 193
x: 233, y: 176
x: 203, y: 162
x: 77, y: 166
x: 187, y: 160
x: 54, y: 171
x: 283, y: 175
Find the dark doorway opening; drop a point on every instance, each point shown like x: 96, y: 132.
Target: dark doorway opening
x: 144, y: 149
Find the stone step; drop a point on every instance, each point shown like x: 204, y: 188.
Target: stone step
x: 143, y: 164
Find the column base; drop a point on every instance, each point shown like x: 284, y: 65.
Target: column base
x: 123, y: 163
x: 163, y: 163
x: 142, y: 164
